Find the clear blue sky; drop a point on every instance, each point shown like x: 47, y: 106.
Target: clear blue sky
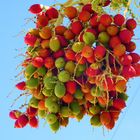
x: 12, y: 15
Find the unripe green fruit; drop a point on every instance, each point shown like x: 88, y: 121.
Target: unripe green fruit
x: 64, y: 76
x: 54, y: 44
x: 78, y: 94
x: 33, y: 102
x: 60, y: 90
x: 95, y: 121
x: 70, y: 66
x: 75, y: 107
x: 89, y: 38
x: 60, y: 62
x: 65, y: 111
x: 123, y: 96
x: 30, y: 69
x: 50, y: 82
x: 77, y: 47
x: 51, y: 118
x: 32, y: 83
x: 47, y: 92
x: 55, y: 127
x: 41, y: 113
x: 103, y: 37
x: 80, y: 116
x: 42, y: 71
x: 95, y: 91
x: 54, y: 107
x: 94, y: 109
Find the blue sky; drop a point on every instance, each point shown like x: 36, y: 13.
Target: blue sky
x: 12, y: 22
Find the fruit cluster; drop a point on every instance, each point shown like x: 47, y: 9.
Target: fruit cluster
x: 77, y: 70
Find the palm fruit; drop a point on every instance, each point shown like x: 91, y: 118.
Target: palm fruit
x: 64, y: 76
x: 75, y: 107
x: 77, y: 47
x: 60, y: 62
x: 55, y: 127
x: 49, y: 82
x: 54, y: 44
x: 65, y: 111
x: 33, y: 102
x: 32, y: 83
x: 95, y: 121
x: 51, y: 118
x: 89, y: 38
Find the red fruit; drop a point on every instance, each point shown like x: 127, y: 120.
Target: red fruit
x: 88, y: 8
x: 101, y: 28
x: 135, y: 57
x: 22, y: 121
x: 92, y: 72
x: 110, y: 125
x: 17, y: 125
x: 69, y: 35
x: 67, y: 98
x: 125, y: 36
x: 59, y: 30
x: 31, y: 112
x: 51, y: 12
x: 137, y: 68
x: 30, y: 39
x: 94, y: 21
x: 131, y: 24
x: 49, y: 62
x: 70, y: 12
x: 58, y: 54
x: 63, y: 41
x: 128, y: 72
x: 119, y: 50
x: 114, y: 41
x: 105, y: 118
x: 14, y: 114
x: 91, y: 30
x: 106, y: 3
x: 99, y: 52
x: 76, y: 27
x: 71, y: 87
x: 87, y: 52
x: 38, y: 62
x: 106, y: 19
x: 36, y: 8
x: 33, y: 122
x: 126, y: 59
x: 114, y: 113
x: 80, y: 59
x: 70, y: 54
x: 130, y: 47
x: 44, y: 53
x: 21, y: 86
x: 84, y: 16
x: 119, y: 19
x: 119, y: 104
x: 112, y: 30
x: 91, y: 59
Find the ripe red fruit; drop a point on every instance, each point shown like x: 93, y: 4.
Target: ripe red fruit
x: 91, y: 59
x: 105, y: 118
x: 67, y: 98
x: 30, y: 39
x: 62, y: 40
x: 119, y: 104
x: 17, y: 125
x: 69, y: 35
x: 101, y: 28
x: 84, y: 16
x: 80, y: 59
x: 31, y: 112
x: 33, y: 122
x: 106, y: 3
x: 136, y: 66
x: 135, y: 57
x: 114, y: 113
x: 22, y: 120
x: 49, y: 62
x: 59, y: 30
x: 91, y: 30
x: 88, y: 8
x: 38, y: 62
x: 14, y: 114
x: 71, y: 87
x: 44, y: 53
x: 94, y: 21
x: 119, y: 19
x: 125, y: 36
x: 70, y: 12
x: 51, y: 12
x: 21, y: 85
x: 70, y: 54
x: 99, y: 52
x: 92, y: 72
x: 114, y: 41
x: 126, y: 59
x: 112, y: 30
x: 36, y: 8
x: 87, y: 52
x: 130, y: 47
x: 105, y: 19
x: 58, y: 54
x: 131, y: 24
x: 76, y: 27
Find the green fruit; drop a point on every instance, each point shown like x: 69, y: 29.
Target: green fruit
x: 95, y: 121
x: 47, y: 92
x: 41, y: 113
x: 78, y: 73
x: 55, y: 127
x: 30, y: 69
x: 51, y: 118
x: 78, y: 94
x: 94, y: 109
x: 50, y: 82
x: 49, y: 74
x: 50, y: 100
x: 89, y: 38
x: 70, y: 66
x: 65, y: 111
x: 81, y: 68
x: 54, y: 44
x: 95, y: 91
x: 64, y: 76
x: 54, y: 107
x: 32, y: 83
x: 60, y: 62
x: 33, y: 102
x: 123, y: 96
x: 80, y: 116
x: 75, y: 107
x: 103, y: 37
x: 77, y: 47
x: 60, y: 90
x: 42, y: 71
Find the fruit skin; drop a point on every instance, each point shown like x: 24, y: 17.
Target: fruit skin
x: 32, y: 83
x: 94, y: 110
x: 84, y: 16
x: 70, y: 54
x: 112, y: 30
x: 60, y: 62
x: 69, y: 35
x: 67, y: 98
x: 70, y: 12
x: 54, y: 44
x: 33, y: 122
x: 64, y: 76
x: 119, y: 50
x: 120, y: 86
x: 88, y: 38
x: 105, y: 19
x: 119, y: 19
x: 51, y: 118
x: 78, y: 94
x: 110, y: 125
x: 135, y: 57
x: 105, y: 118
x: 21, y: 85
x: 119, y: 104
x: 103, y: 37
x: 49, y: 62
x: 114, y: 41
x: 125, y: 36
x: 99, y: 52
x: 58, y: 54
x: 60, y: 29
x: 95, y: 121
x: 65, y: 111
x: 88, y: 8
x: 38, y: 62
x: 71, y: 87
x: 14, y: 114
x: 130, y: 47
x: 76, y: 27
x: 51, y: 12
x: 55, y: 127
x: 60, y: 90
x: 33, y: 102
x: 75, y: 107
x: 126, y: 59
x: 54, y: 107
x: 77, y: 47
x: 31, y: 112
x: 30, y: 39
x: 35, y: 8
x: 87, y: 51
x: 70, y: 66
x: 131, y: 24
x: 136, y: 66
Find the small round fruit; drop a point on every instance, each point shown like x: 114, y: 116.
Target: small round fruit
x: 64, y: 76
x: 60, y: 62
x: 51, y: 118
